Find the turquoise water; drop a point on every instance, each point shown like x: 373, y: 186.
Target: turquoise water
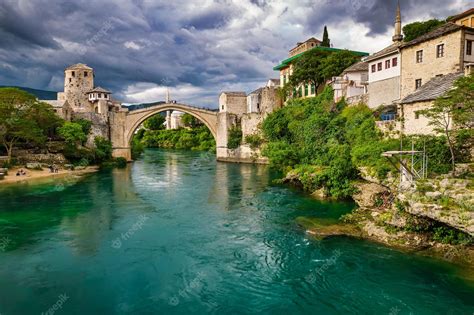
x: 178, y: 233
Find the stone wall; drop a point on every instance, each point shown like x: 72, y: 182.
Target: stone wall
x: 233, y: 103
x: 99, y: 127
x: 251, y: 124
x: 414, y: 123
x: 358, y: 99
x: 431, y: 66
x: 383, y: 92
x: 270, y: 100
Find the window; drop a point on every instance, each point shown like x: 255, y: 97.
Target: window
x: 70, y: 80
x: 74, y: 73
x: 85, y: 73
x: 374, y: 68
x: 419, y: 56
x: 387, y: 64
x: 417, y: 83
x: 379, y: 66
x: 306, y: 90
x: 222, y: 107
x: 469, y: 47
x: 394, y: 62
x: 440, y: 51
x: 313, y: 89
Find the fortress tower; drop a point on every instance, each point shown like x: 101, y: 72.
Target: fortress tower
x: 78, y: 81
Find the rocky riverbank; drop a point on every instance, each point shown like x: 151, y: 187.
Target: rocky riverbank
x: 431, y: 218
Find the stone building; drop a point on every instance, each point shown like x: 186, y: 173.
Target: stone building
x: 415, y: 123
x: 439, y: 52
x: 82, y: 100
x: 352, y: 83
x: 78, y: 81
x: 264, y: 99
x: 430, y: 65
x: 233, y: 103
x: 466, y: 18
x: 384, y: 70
x: 286, y: 66
x: 176, y: 120
x: 246, y: 112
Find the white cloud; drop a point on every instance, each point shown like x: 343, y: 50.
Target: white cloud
x: 132, y: 45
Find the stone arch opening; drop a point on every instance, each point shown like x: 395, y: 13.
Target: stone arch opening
x: 151, y: 113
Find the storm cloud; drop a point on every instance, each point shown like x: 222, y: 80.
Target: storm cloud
x: 138, y: 48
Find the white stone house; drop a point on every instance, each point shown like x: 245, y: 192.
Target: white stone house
x: 352, y: 83
x: 384, y: 69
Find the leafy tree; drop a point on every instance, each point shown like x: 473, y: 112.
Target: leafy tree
x: 190, y: 121
x: 85, y: 124
x: 155, y: 122
x: 453, y: 113
x: 307, y: 69
x: 336, y: 63
x: 73, y: 134
x: 317, y: 66
x: 326, y: 41
x: 416, y: 29
x: 21, y: 119
x: 103, y: 149
x: 234, y: 137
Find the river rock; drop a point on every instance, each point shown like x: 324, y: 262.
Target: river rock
x: 433, y: 194
x: 367, y: 194
x: 32, y: 166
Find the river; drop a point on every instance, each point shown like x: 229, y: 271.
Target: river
x: 178, y: 233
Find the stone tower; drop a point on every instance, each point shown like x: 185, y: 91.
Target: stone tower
x: 398, y: 37
x: 78, y: 81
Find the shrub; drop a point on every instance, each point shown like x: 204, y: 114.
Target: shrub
x: 86, y: 125
x: 72, y: 133
x: 254, y: 141
x: 447, y: 235
x: 234, y: 137
x: 103, y: 149
x: 120, y: 162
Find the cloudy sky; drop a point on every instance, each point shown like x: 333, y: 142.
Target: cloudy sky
x: 197, y: 48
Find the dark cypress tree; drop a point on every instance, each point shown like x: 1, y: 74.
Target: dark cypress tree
x: 326, y: 41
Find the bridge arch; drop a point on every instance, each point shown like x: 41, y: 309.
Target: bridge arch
x: 125, y: 122
x: 137, y: 117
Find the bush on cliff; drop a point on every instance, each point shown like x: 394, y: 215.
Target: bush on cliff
x: 324, y: 142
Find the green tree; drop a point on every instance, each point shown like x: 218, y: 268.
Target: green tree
x: 73, y: 134
x: 234, y: 137
x: 453, y: 113
x: 85, y: 124
x: 155, y: 122
x: 317, y: 66
x: 20, y: 118
x: 103, y: 149
x: 307, y: 69
x: 190, y: 121
x: 416, y: 29
x: 326, y: 41
x: 334, y: 64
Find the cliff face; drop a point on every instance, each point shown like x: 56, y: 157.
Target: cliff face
x: 447, y: 200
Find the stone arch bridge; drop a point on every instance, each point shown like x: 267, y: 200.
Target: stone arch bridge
x: 125, y: 122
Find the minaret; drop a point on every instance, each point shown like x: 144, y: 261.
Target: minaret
x: 168, y: 99
x: 398, y: 37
